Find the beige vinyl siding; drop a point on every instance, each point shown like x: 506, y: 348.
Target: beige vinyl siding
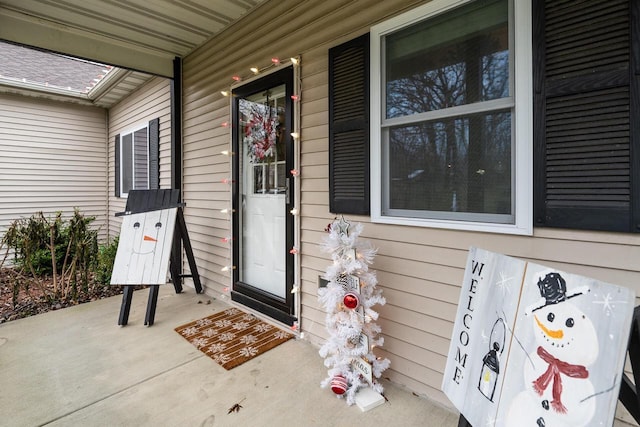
x: 152, y: 100
x: 419, y: 269
x: 52, y: 158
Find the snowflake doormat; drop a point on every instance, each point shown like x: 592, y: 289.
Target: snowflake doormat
x: 232, y: 337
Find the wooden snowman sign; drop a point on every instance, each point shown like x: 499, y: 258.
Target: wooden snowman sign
x: 534, y: 346
x: 559, y: 389
x: 144, y: 248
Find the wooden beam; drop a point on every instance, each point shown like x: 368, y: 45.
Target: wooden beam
x: 27, y: 30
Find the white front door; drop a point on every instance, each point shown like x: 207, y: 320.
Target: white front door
x: 263, y: 231
x: 264, y: 188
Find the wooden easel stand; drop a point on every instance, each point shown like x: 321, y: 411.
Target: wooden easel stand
x: 149, y: 200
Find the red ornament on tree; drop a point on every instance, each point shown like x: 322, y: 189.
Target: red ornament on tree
x: 351, y: 300
x: 339, y: 384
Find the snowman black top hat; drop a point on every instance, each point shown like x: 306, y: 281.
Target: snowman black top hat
x: 553, y: 288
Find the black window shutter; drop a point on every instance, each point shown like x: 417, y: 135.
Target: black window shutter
x: 585, y: 78
x: 117, y: 166
x: 154, y: 154
x: 349, y: 127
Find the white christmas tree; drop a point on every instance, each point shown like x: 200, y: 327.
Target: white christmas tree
x: 348, y: 297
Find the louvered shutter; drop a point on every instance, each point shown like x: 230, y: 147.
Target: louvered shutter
x: 349, y: 127
x: 117, y: 166
x: 583, y: 117
x: 154, y: 154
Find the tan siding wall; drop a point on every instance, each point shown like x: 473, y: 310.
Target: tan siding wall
x: 151, y: 101
x: 52, y: 158
x: 420, y: 269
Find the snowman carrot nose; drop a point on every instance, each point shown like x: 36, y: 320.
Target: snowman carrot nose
x: 149, y: 238
x: 553, y: 334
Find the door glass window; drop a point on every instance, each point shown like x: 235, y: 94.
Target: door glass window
x: 262, y: 130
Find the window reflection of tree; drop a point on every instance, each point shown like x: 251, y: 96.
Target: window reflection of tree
x: 459, y: 163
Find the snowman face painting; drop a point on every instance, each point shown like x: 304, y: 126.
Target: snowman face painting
x: 144, y: 248
x: 556, y: 373
x: 146, y: 236
x: 566, y: 332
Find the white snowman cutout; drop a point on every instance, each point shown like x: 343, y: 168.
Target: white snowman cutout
x: 144, y: 248
x: 559, y: 391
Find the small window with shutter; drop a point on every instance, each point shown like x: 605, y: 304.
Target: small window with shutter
x: 137, y: 159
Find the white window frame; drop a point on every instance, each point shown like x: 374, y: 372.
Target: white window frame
x: 522, y: 155
x: 132, y: 132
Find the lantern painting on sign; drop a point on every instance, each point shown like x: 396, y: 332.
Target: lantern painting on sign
x: 491, y: 361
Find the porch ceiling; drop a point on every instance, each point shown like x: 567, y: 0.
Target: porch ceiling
x: 139, y: 35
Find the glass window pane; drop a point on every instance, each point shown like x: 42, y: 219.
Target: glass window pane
x: 258, y: 180
x: 457, y: 58
x: 271, y: 177
x: 282, y: 180
x: 141, y: 153
x: 126, y: 167
x: 262, y: 124
x: 264, y: 138
x: 461, y: 164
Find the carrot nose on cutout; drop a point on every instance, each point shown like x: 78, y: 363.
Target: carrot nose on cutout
x: 149, y: 238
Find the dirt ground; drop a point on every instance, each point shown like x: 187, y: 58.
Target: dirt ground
x: 35, y: 295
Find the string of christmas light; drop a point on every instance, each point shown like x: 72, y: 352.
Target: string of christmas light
x: 295, y: 174
x: 237, y: 79
x: 227, y: 239
x: 255, y: 71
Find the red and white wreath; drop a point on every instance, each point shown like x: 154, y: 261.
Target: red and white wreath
x: 260, y: 133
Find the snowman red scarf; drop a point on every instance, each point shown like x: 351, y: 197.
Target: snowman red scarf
x: 556, y: 367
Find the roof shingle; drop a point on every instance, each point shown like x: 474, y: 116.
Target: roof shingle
x: 37, y: 67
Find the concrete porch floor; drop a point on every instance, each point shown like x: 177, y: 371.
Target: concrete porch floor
x: 77, y: 367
